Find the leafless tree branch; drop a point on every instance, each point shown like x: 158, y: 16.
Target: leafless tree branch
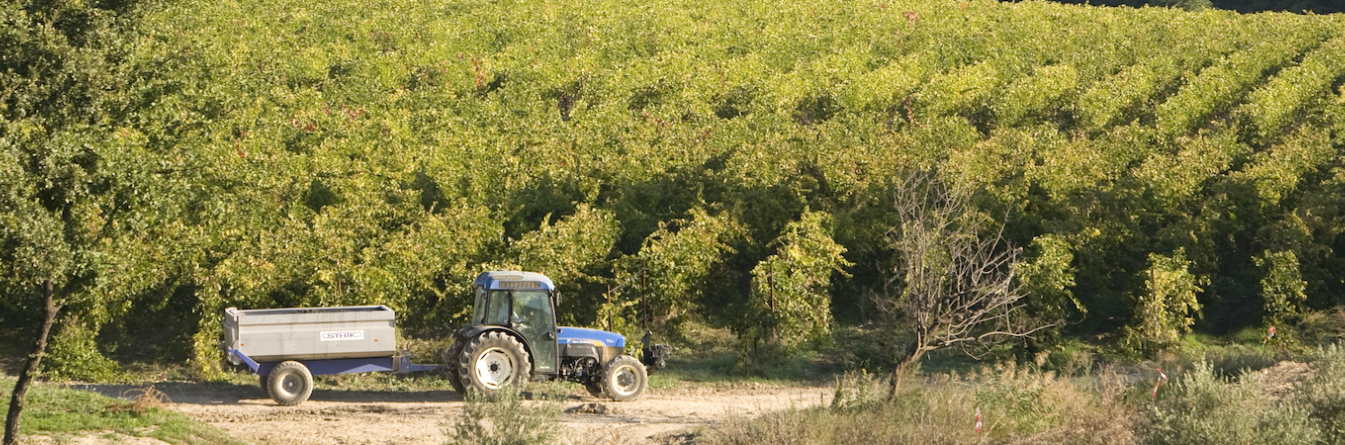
x: 954, y: 284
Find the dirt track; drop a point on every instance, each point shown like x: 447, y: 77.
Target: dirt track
x: 372, y: 417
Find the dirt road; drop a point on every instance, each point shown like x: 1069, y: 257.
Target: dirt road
x: 372, y: 417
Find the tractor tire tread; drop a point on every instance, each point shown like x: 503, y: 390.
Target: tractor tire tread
x: 607, y: 379
x: 494, y: 339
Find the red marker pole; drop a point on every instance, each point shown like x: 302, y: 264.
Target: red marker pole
x: 1161, y: 378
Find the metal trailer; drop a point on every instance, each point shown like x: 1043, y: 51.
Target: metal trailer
x: 287, y: 347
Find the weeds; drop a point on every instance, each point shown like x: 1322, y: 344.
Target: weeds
x: 1204, y: 408
x: 63, y: 413
x: 504, y: 418
x: 149, y: 398
x: 1324, y: 393
x: 1289, y: 403
x: 1018, y: 405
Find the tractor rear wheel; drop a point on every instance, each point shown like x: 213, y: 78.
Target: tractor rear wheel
x: 623, y: 379
x: 493, y: 361
x: 451, y: 364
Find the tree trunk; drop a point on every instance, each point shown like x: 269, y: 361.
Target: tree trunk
x: 49, y: 310
x: 912, y: 355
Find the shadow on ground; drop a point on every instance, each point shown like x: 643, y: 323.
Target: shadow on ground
x: 232, y: 393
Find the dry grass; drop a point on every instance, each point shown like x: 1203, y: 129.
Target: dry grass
x: 142, y: 400
x: 1018, y: 405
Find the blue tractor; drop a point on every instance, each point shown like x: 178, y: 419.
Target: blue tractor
x: 513, y: 338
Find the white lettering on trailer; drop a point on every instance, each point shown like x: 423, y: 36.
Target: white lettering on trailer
x: 341, y: 335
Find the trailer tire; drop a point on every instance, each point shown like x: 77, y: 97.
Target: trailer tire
x: 290, y: 383
x: 450, y: 365
x: 493, y: 361
x: 623, y: 379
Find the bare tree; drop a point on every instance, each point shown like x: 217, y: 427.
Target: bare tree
x: 954, y: 284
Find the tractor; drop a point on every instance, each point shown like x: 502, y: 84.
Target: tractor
x: 513, y: 338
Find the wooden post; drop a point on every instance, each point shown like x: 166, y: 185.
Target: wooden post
x: 644, y: 295
x: 770, y: 281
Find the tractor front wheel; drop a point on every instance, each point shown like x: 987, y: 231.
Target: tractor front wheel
x: 493, y: 361
x: 623, y: 379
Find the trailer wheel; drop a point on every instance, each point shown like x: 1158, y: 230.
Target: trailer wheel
x: 450, y: 361
x: 289, y: 383
x: 493, y: 361
x: 623, y: 379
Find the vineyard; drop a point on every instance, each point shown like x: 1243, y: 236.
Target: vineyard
x: 666, y: 161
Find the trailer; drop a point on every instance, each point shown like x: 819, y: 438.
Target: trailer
x: 285, y: 348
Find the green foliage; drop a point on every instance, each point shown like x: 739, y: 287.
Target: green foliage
x: 1281, y: 287
x: 1168, y: 307
x: 1047, y: 278
x: 1218, y: 86
x: 669, y: 275
x: 263, y: 154
x: 790, y: 300
x: 1189, y: 5
x: 962, y: 90
x: 1278, y: 171
x: 1201, y: 407
x: 74, y: 355
x: 1047, y: 88
x: 565, y: 250
x: 1279, y: 102
x: 1106, y: 99
x: 503, y: 418
x: 1176, y: 177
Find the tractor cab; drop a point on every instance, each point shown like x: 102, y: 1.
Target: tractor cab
x: 513, y: 337
x: 523, y: 303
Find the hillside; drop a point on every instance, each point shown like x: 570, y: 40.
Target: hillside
x: 286, y: 153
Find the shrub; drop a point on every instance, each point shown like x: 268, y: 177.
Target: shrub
x: 1324, y: 393
x: 502, y: 418
x: 74, y: 355
x: 1018, y: 405
x: 1203, y: 408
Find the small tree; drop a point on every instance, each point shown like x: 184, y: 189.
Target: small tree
x: 667, y: 277
x: 1047, y: 278
x: 1282, y: 287
x: 790, y: 303
x: 84, y: 193
x: 1168, y: 307
x: 954, y: 285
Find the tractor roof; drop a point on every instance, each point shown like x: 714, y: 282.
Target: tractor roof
x: 512, y: 279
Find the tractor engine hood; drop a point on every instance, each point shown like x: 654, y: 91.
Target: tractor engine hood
x: 601, y: 339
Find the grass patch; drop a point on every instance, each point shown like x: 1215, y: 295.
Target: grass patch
x: 1015, y: 405
x: 60, y: 412
x: 1030, y: 404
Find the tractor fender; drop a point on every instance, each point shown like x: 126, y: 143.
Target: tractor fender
x: 468, y: 333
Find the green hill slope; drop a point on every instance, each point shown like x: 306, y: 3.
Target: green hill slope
x: 383, y: 152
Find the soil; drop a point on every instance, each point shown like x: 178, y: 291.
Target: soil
x: 1283, y: 379
x: 373, y: 417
